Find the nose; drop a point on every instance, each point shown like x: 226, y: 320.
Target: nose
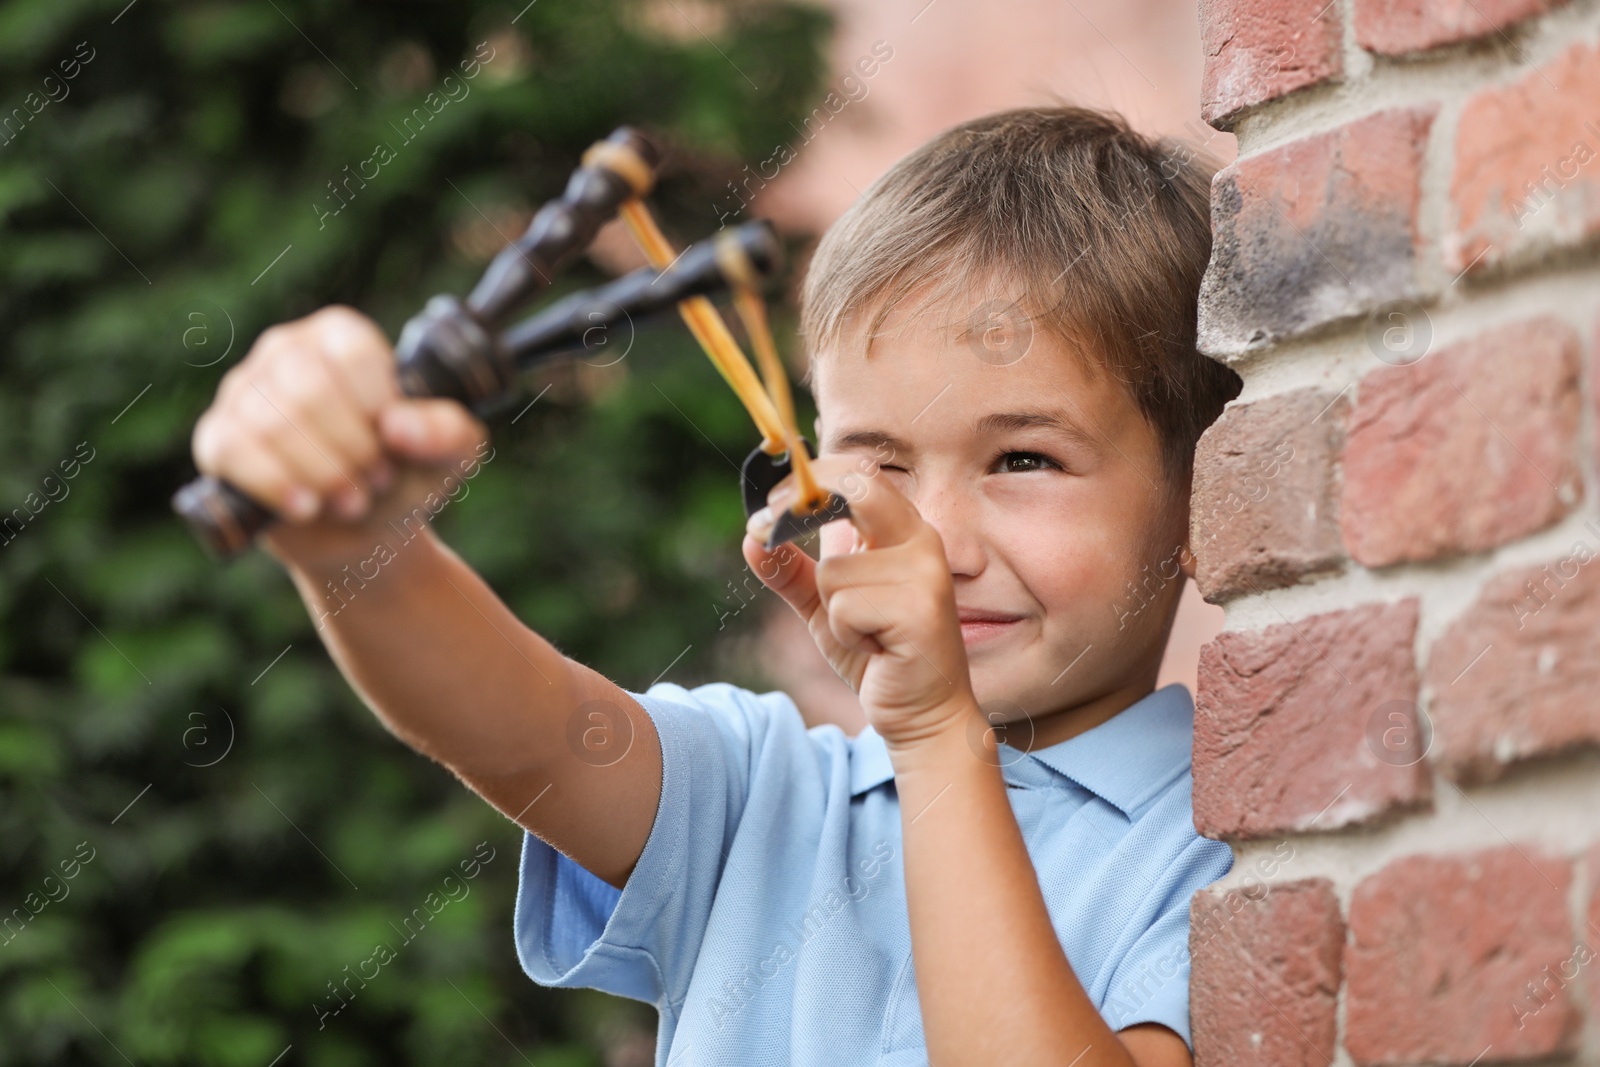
x: 954, y: 510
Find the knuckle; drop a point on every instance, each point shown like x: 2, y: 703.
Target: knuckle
x: 324, y: 478
x: 223, y: 454
x: 274, y: 338
x: 362, y: 444
x: 237, y: 378
x: 343, y: 329
x: 298, y: 369
x: 341, y: 316
x: 256, y: 411
x: 208, y: 445
x: 251, y: 413
x: 299, y: 389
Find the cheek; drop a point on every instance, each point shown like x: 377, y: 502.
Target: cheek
x: 1073, y: 572
x: 1073, y: 568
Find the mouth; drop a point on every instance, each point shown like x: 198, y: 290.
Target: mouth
x: 979, y: 627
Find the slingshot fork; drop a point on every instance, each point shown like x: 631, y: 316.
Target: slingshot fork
x: 782, y: 447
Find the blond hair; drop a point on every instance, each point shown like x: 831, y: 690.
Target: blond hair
x: 1103, y: 232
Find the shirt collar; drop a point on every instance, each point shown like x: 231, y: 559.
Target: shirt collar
x: 1125, y: 761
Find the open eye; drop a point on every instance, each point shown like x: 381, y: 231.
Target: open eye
x: 1023, y: 462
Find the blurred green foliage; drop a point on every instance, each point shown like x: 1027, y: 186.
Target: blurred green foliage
x: 237, y: 827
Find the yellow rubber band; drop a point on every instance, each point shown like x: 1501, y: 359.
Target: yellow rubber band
x: 703, y: 320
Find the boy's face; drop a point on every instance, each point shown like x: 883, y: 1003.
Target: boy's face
x: 1045, y: 483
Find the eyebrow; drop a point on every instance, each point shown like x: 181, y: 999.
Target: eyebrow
x: 1000, y: 422
x: 873, y: 439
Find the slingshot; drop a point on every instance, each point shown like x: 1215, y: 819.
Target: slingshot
x: 470, y: 350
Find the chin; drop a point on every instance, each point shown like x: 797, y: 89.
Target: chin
x: 1001, y: 683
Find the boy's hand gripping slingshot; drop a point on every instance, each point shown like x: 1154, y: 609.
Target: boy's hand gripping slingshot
x: 470, y: 351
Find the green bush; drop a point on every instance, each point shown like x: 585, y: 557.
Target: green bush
x: 237, y: 827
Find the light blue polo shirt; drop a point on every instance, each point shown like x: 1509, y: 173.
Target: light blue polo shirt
x: 766, y: 919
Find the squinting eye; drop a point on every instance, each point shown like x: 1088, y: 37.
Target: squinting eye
x: 1021, y: 462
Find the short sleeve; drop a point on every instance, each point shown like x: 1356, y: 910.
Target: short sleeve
x: 1151, y: 982
x: 574, y: 929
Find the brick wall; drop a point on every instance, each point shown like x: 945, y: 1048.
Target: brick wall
x: 1399, y: 730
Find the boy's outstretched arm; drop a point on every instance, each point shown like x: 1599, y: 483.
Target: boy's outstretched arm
x: 312, y: 423
x: 994, y: 984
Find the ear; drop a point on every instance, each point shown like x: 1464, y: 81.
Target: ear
x: 1186, y: 561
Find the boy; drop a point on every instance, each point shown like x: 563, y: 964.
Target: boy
x: 1002, y: 342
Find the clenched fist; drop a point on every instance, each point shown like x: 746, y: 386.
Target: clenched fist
x: 884, y: 612
x: 312, y: 424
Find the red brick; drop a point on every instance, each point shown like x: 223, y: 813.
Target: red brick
x: 1586, y: 953
x: 1265, y: 972
x: 1516, y: 675
x: 1395, y: 27
x: 1466, y: 449
x: 1255, y: 52
x: 1314, y: 231
x: 1528, y: 163
x: 1442, y: 949
x: 1283, y: 718
x: 1264, y: 511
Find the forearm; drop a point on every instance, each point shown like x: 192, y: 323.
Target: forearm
x: 447, y: 667
x: 440, y: 659
x: 994, y: 983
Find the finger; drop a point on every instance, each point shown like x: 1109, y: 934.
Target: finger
x: 895, y: 618
x: 914, y: 564
x: 361, y: 362
x: 855, y: 621
x: 308, y: 393
x: 787, y: 571
x: 878, y: 510
x: 245, y: 462
x: 360, y: 356
x: 311, y: 463
x: 430, y: 431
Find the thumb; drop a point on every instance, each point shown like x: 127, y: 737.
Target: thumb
x: 431, y: 430
x: 787, y: 571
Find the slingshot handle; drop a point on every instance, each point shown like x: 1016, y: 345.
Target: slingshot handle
x: 221, y: 517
